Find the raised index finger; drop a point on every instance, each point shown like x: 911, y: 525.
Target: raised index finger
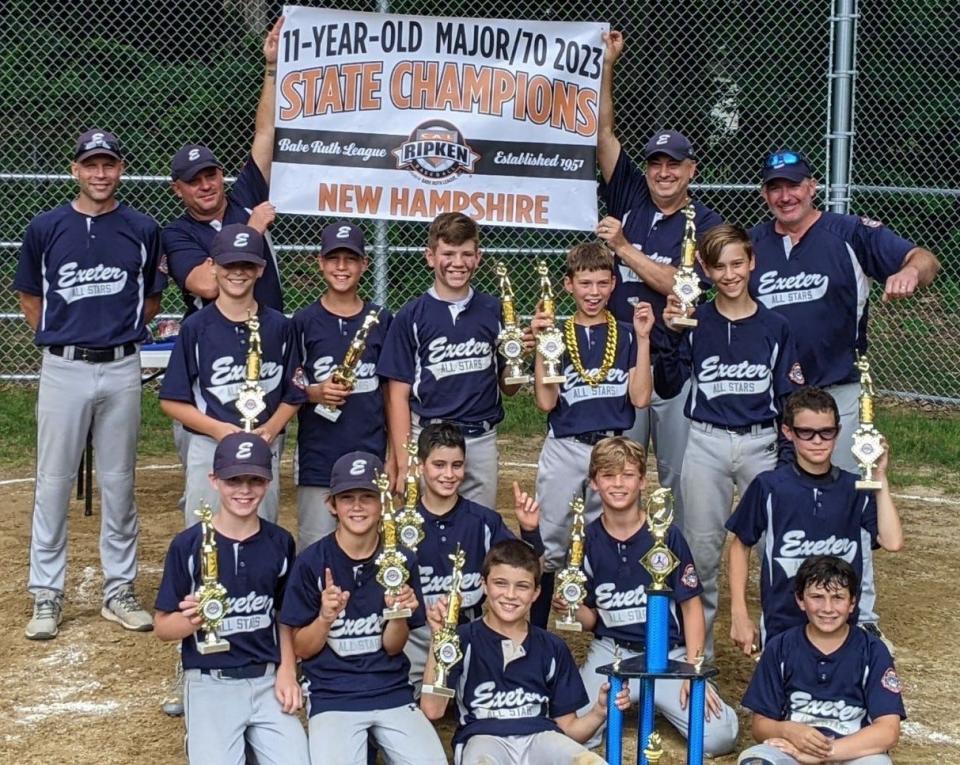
x: 328, y: 579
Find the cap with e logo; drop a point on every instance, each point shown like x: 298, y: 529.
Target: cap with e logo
x: 356, y: 470
x: 342, y: 236
x: 190, y: 160
x: 237, y: 243
x: 243, y: 454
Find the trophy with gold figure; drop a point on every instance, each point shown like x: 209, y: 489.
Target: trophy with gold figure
x: 550, y: 340
x: 346, y: 373
x: 868, y: 445
x: 659, y: 560
x: 686, y: 283
x: 571, y: 580
x: 409, y: 520
x: 250, y: 399
x: 212, y: 596
x: 510, y: 340
x: 654, y: 749
x: 392, y: 571
x: 446, y: 643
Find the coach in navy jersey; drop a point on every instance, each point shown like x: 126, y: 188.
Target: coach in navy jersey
x: 89, y: 280
x: 644, y: 228
x: 197, y: 179
x: 815, y: 268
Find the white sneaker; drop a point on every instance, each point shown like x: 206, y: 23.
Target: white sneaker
x: 47, y: 615
x: 124, y: 609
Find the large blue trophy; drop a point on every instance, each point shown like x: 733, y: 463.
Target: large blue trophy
x: 660, y: 562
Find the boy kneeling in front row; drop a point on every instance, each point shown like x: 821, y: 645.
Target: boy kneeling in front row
x: 517, y: 686
x: 824, y: 692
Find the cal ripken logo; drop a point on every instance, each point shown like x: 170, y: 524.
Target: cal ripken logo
x: 436, y: 151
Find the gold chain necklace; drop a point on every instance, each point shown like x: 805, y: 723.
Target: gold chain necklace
x: 609, y: 350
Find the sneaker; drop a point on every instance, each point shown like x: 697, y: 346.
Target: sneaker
x: 173, y: 704
x: 47, y: 615
x: 872, y: 628
x: 124, y: 609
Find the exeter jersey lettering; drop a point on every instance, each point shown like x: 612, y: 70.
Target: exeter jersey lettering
x: 254, y: 572
x: 741, y: 370
x: 188, y: 241
x: 617, y: 582
x: 628, y: 199
x: 583, y: 408
x: 448, y: 355
x: 207, y: 366
x: 821, y: 286
x: 838, y: 693
x: 93, y: 273
x: 802, y: 516
x: 352, y: 672
x: 322, y: 341
x: 476, y: 529
x: 520, y: 698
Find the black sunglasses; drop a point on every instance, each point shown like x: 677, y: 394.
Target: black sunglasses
x: 807, y: 434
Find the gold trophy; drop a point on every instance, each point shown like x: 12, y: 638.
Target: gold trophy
x: 250, y: 401
x: 446, y: 643
x: 868, y: 445
x: 392, y: 571
x: 212, y: 595
x: 571, y: 579
x: 686, y: 283
x: 550, y: 340
x: 409, y: 520
x: 659, y: 560
x: 510, y: 340
x: 346, y: 373
x: 654, y: 749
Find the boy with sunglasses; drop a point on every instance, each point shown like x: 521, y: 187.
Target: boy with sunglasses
x: 801, y: 509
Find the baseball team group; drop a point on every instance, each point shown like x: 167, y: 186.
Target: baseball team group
x: 753, y: 392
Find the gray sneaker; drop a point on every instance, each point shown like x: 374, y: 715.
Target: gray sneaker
x: 124, y: 609
x: 173, y: 704
x: 47, y: 615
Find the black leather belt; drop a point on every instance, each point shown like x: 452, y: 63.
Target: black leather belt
x: 595, y: 437
x: 740, y: 430
x: 248, y: 672
x: 467, y: 429
x: 93, y: 355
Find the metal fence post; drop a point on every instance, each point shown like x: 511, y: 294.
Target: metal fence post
x: 843, y: 34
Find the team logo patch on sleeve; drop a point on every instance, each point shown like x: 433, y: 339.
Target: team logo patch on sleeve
x: 690, y: 577
x: 870, y: 222
x: 891, y: 681
x: 300, y: 379
x: 796, y: 374
x: 162, y: 266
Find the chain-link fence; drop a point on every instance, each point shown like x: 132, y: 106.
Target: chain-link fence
x: 739, y: 78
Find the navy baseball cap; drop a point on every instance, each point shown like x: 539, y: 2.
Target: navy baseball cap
x: 356, y: 470
x: 243, y: 454
x: 787, y: 165
x: 96, y: 141
x: 237, y: 243
x: 190, y: 160
x: 675, y: 145
x: 342, y: 236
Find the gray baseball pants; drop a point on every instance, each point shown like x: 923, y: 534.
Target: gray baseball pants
x: 766, y: 754
x: 403, y: 734
x: 547, y: 748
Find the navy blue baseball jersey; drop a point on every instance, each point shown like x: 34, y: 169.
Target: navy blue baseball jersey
x: 322, y: 340
x: 802, y: 515
x: 352, y: 672
x: 254, y: 573
x: 582, y: 408
x: 476, y: 529
x: 208, y: 363
x: 94, y: 274
x: 515, y: 698
x: 838, y: 693
x: 188, y: 241
x: 659, y: 237
x: 448, y: 354
x: 821, y: 285
x: 617, y: 582
x: 741, y: 370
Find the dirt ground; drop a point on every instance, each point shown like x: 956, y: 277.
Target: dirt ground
x: 93, y: 694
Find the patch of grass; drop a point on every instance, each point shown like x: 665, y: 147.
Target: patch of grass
x: 924, y: 446
x: 522, y: 418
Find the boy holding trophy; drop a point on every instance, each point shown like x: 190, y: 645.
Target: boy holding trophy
x: 339, y: 338
x: 345, y: 590
x: 223, y: 581
x: 605, y: 375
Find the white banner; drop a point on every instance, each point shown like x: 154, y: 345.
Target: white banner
x: 406, y: 117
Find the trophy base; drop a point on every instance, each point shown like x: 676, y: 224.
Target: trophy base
x: 568, y: 626
x: 220, y: 646
x: 327, y: 412
x: 684, y: 321
x: 869, y: 485
x: 439, y: 690
x: 553, y: 379
x: 397, y: 613
x: 516, y: 380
